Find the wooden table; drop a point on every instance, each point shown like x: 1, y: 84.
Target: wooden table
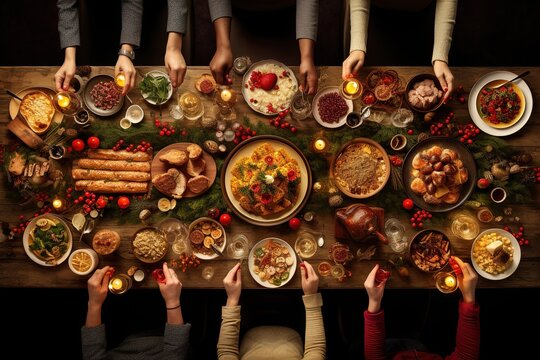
x: 17, y: 270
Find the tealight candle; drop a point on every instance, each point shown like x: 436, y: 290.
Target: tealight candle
x: 119, y: 284
x: 351, y: 87
x: 450, y: 281
x: 63, y: 100
x: 445, y: 282
x: 58, y: 204
x: 226, y: 95
x: 120, y: 80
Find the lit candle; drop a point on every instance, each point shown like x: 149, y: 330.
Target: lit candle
x: 319, y: 144
x: 57, y: 204
x: 120, y: 80
x: 226, y: 95
x: 117, y: 284
x: 351, y: 87
x: 63, y: 100
x: 450, y: 281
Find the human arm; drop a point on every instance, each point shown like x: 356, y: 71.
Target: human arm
x: 130, y: 39
x: 63, y: 76
x: 468, y: 329
x: 307, y: 69
x: 307, y: 19
x: 229, y: 333
x: 315, y: 339
x: 359, y: 18
x: 222, y: 61
x: 176, y: 27
x: 374, y: 330
x: 68, y: 28
x: 445, y: 19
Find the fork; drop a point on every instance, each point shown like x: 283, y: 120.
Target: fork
x: 509, y: 81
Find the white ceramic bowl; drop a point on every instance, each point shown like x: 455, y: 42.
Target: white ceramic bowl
x: 135, y: 114
x: 83, y: 261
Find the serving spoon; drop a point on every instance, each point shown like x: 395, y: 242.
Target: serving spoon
x: 88, y: 227
x: 13, y: 95
x: 523, y: 74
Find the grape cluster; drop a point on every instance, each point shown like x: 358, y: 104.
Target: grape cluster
x: 419, y: 217
x: 519, y: 235
x: 144, y: 146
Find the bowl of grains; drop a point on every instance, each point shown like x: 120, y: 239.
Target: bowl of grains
x: 149, y: 244
x: 330, y: 109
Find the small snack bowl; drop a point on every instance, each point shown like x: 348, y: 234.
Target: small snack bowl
x: 125, y: 123
x: 135, y: 114
x: 426, y: 103
x: 150, y: 244
x: 430, y: 250
x: 83, y: 261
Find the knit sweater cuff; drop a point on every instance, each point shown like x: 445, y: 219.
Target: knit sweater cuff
x: 230, y: 312
x: 93, y: 335
x: 312, y: 301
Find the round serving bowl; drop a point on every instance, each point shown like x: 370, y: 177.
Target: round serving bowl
x: 430, y: 250
x: 410, y: 86
x: 149, y: 244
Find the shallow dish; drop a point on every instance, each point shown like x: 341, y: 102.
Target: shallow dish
x: 14, y: 103
x: 289, y: 256
x: 287, y: 81
x: 446, y: 143
x: 475, y: 113
x: 416, y: 79
x: 516, y: 257
x: 153, y: 238
x: 211, y: 229
x: 380, y: 163
x: 423, y: 248
x: 65, y: 245
x: 89, y: 102
x: 315, y: 108
x: 154, y: 74
x: 245, y: 149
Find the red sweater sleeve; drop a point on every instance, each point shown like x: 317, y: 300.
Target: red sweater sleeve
x: 468, y: 333
x: 374, y: 335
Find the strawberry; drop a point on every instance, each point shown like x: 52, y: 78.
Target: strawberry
x: 268, y: 81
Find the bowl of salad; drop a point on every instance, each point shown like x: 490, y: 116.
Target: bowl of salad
x: 272, y: 262
x: 156, y: 87
x: 47, y: 240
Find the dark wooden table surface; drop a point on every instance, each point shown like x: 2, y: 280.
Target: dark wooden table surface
x: 17, y: 270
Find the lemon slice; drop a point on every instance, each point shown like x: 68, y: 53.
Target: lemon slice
x: 42, y: 222
x: 164, y: 204
x: 173, y: 203
x: 78, y: 220
x: 216, y: 233
x: 208, y: 241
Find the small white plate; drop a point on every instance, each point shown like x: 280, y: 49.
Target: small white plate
x: 156, y: 73
x: 516, y: 257
x: 475, y: 91
x: 315, y: 109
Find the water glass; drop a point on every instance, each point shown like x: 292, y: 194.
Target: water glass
x: 238, y: 248
x: 395, y: 232
x: 465, y: 227
x: 305, y: 244
x: 300, y: 107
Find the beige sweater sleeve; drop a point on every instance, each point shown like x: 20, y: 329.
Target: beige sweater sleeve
x: 445, y: 19
x: 229, y: 334
x: 315, y: 342
x: 359, y: 10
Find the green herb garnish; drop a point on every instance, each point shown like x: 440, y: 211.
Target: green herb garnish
x: 155, y: 89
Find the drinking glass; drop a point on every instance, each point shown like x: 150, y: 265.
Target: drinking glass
x: 305, y: 244
x: 465, y: 227
x: 300, y: 106
x: 446, y: 282
x: 208, y: 272
x: 67, y: 103
x: 191, y: 105
x: 238, y: 248
x: 395, y: 232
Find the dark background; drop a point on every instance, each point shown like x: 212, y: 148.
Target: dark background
x: 38, y: 322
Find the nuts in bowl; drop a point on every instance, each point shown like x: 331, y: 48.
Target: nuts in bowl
x: 430, y: 250
x: 149, y: 244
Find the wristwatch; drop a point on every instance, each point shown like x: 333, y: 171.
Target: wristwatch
x: 129, y: 54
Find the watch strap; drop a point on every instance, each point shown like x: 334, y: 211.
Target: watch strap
x: 129, y: 54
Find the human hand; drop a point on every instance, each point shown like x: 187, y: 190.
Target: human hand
x: 443, y: 73
x: 63, y: 76
x: 174, y: 61
x: 233, y: 285
x: 467, y: 280
x: 352, y: 64
x: 308, y: 76
x: 310, y: 280
x: 221, y: 64
x: 125, y: 66
x: 171, y: 288
x: 375, y: 290
x: 98, y: 286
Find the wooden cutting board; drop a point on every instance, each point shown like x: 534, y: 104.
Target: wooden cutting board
x: 23, y: 132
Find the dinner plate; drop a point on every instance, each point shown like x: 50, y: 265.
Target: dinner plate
x: 245, y: 149
x: 288, y: 97
x: 14, y: 103
x: 30, y: 229
x: 464, y: 155
x: 156, y: 73
x: 159, y: 167
x: 251, y: 262
x: 221, y: 248
x: 90, y: 103
x: 315, y: 108
x: 473, y: 99
x: 515, y: 262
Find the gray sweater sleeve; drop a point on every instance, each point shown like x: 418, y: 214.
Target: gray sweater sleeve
x: 68, y: 23
x: 176, y: 341
x: 219, y: 9
x: 176, y: 16
x: 307, y: 19
x: 132, y: 11
x: 94, y: 342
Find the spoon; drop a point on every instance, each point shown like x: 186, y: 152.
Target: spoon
x: 88, y: 227
x: 321, y: 239
x: 509, y: 81
x: 13, y: 95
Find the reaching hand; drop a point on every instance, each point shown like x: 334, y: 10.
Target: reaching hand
x: 125, y: 66
x: 308, y: 77
x: 171, y: 288
x: 375, y: 290
x: 352, y: 64
x: 233, y: 285
x: 467, y: 281
x: 443, y: 73
x: 63, y: 76
x: 221, y: 65
x: 310, y: 280
x: 98, y: 286
x: 174, y: 61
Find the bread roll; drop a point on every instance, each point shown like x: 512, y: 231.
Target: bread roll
x: 105, y: 186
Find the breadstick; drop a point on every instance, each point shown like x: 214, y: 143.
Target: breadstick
x: 109, y: 154
x: 96, y: 174
x: 104, y: 186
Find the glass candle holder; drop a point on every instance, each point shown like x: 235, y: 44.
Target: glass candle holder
x: 351, y: 89
x: 319, y: 144
x: 446, y: 282
x: 395, y: 232
x: 191, y: 105
x: 67, y: 103
x: 225, y: 100
x: 207, y: 272
x: 120, y: 283
x: 305, y: 244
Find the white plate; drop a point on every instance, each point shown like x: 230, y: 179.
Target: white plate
x: 220, y: 248
x: 30, y: 228
x: 475, y: 91
x: 256, y: 66
x: 156, y: 73
x: 515, y: 261
x: 315, y: 108
x: 251, y: 260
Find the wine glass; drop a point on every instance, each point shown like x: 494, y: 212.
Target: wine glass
x: 238, y: 247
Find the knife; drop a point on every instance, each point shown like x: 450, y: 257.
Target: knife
x: 216, y: 250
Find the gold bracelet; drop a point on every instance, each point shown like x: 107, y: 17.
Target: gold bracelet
x: 172, y: 308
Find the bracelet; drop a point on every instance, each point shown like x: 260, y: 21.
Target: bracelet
x: 172, y: 308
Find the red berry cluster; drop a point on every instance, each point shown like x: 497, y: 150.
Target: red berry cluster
x: 459, y: 95
x: 243, y: 133
x: 418, y: 218
x: 519, y: 235
x: 185, y: 262
x: 144, y: 146
x: 165, y: 129
x: 442, y: 128
x: 396, y: 160
x: 42, y: 196
x: 279, y: 121
x: 537, y: 174
x: 89, y: 200
x: 467, y: 133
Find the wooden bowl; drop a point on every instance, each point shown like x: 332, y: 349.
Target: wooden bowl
x: 416, y: 79
x: 419, y: 253
x: 155, y: 239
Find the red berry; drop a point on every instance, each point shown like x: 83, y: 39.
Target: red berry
x: 225, y: 219
x: 294, y: 223
x: 123, y: 202
x: 408, y: 204
x: 482, y: 183
x: 77, y: 145
x: 410, y: 131
x: 93, y: 142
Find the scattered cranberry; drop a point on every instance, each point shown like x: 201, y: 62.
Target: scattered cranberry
x: 408, y: 204
x: 396, y: 160
x: 294, y: 223
x: 410, y: 131
x: 418, y: 217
